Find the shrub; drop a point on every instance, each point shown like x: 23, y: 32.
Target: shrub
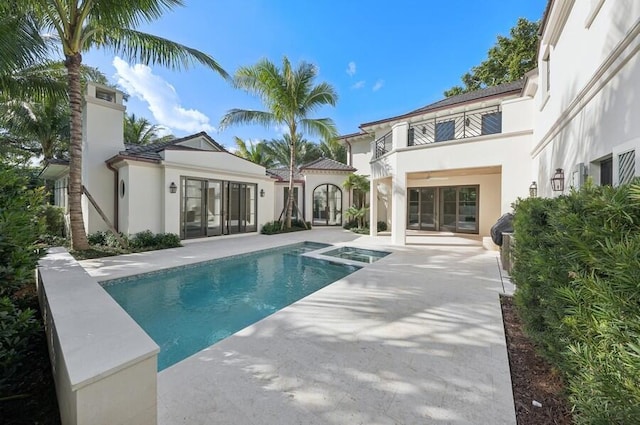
x: 54, y: 220
x: 20, y: 227
x: 97, y: 238
x: 274, y: 227
x: 17, y: 328
x: 148, y: 240
x: 576, y: 270
x: 382, y: 226
x: 350, y: 224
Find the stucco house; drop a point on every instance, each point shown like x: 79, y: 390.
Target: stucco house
x: 458, y: 164
x: 191, y: 186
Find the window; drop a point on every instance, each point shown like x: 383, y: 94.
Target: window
x: 606, y: 172
x: 296, y: 204
x: 626, y: 166
x: 492, y: 123
x: 445, y: 130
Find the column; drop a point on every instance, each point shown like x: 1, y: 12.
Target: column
x: 373, y: 208
x: 399, y: 209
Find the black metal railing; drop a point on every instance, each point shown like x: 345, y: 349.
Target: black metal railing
x: 456, y: 126
x: 382, y: 145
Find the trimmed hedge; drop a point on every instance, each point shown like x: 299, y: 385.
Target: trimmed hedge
x: 577, y: 272
x: 275, y: 227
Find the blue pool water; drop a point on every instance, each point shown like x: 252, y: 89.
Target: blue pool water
x: 189, y: 308
x: 357, y: 254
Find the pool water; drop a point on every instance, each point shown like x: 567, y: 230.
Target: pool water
x: 356, y: 254
x: 189, y: 308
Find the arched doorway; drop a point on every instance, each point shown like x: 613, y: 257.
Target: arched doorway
x: 327, y: 205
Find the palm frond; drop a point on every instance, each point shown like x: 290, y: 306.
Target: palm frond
x: 150, y: 49
x: 324, y: 127
x: 244, y: 116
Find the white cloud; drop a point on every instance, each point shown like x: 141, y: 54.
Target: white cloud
x: 351, y: 68
x: 164, y: 103
x: 378, y: 85
x: 358, y: 85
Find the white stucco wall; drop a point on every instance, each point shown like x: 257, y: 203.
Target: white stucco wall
x: 144, y: 199
x: 508, y: 151
x: 102, y: 138
x: 361, y: 156
x: 591, y: 109
x: 217, y: 166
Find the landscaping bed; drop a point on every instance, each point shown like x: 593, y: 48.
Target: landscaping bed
x: 532, y: 378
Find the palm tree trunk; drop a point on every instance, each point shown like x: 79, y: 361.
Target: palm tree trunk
x: 78, y: 234
x: 292, y: 165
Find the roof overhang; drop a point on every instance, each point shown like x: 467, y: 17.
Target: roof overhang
x: 54, y: 170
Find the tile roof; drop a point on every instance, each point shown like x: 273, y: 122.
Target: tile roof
x: 501, y: 89
x: 152, y: 152
x: 282, y: 174
x: 327, y: 164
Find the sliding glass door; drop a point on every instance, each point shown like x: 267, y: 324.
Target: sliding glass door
x: 447, y: 209
x: 216, y: 207
x: 422, y: 208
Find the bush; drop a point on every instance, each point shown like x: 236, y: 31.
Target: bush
x: 382, y: 226
x: 97, y: 238
x: 274, y: 227
x: 576, y: 269
x: 54, y: 220
x: 350, y: 224
x: 148, y: 240
x: 20, y: 227
x: 17, y: 328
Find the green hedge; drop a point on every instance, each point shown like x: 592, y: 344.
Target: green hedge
x: 577, y: 272
x: 274, y: 227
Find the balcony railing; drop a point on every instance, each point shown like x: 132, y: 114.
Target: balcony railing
x: 456, y: 126
x: 382, y: 145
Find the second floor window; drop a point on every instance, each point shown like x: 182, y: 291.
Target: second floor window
x: 445, y: 130
x: 492, y: 123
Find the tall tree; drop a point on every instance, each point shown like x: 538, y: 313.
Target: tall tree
x: 289, y: 97
x: 104, y: 24
x: 280, y: 150
x: 41, y: 127
x: 139, y: 131
x: 333, y: 149
x: 508, y: 60
x: 254, y: 152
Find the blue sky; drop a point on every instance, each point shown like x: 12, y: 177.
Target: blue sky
x: 383, y: 57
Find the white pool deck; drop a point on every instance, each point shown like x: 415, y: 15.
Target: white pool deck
x: 414, y: 338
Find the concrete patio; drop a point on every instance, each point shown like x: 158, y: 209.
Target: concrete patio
x: 415, y: 338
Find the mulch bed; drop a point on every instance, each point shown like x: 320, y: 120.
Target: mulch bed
x: 532, y: 377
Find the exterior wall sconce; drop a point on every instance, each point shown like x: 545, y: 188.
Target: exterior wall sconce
x: 262, y: 193
x: 533, y: 190
x: 557, y: 181
x: 173, y: 188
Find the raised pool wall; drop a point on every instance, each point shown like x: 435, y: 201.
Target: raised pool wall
x: 104, y: 365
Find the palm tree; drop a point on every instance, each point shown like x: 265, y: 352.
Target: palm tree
x: 107, y: 24
x: 360, y: 186
x: 333, y: 149
x: 139, y: 131
x: 289, y: 97
x: 41, y: 127
x: 280, y: 150
x: 257, y: 152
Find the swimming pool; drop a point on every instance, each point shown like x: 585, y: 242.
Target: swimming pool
x: 356, y: 254
x: 189, y: 308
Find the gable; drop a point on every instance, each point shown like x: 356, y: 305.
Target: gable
x: 200, y: 143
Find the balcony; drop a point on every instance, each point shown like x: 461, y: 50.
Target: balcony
x: 463, y: 125
x: 456, y: 126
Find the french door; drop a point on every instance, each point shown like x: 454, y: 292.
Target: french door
x: 450, y: 208
x: 216, y: 207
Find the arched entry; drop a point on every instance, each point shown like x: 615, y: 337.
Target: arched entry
x: 327, y: 205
